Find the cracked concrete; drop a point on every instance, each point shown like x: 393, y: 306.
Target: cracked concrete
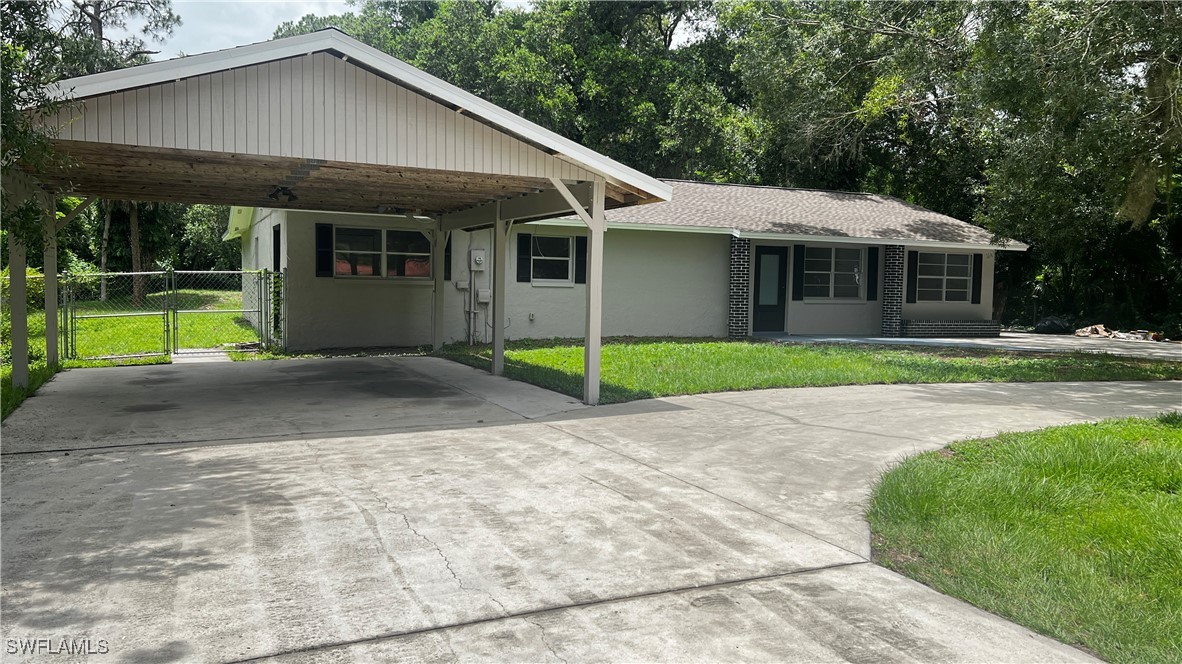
x: 424, y: 521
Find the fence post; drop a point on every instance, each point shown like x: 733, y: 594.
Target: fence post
x: 171, y: 336
x: 283, y: 308
x: 63, y: 315
x: 260, y: 281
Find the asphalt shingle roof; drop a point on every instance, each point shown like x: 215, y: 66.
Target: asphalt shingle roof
x: 750, y: 209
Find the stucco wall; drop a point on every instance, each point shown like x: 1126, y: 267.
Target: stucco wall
x: 257, y: 240
x: 347, y: 312
x: 655, y: 284
x: 957, y: 310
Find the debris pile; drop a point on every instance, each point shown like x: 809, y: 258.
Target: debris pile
x: 1053, y: 325
x: 1132, y: 335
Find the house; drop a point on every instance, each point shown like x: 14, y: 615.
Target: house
x: 715, y: 260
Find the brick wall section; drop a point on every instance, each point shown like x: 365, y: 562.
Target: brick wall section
x: 739, y: 313
x: 951, y: 328
x: 892, y: 289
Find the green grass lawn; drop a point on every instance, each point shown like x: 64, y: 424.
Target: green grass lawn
x: 643, y: 368
x: 136, y: 335
x: 1074, y: 531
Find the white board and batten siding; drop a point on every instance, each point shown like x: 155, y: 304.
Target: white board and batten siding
x: 315, y: 106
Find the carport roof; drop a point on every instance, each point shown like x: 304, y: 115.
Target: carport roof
x: 470, y: 151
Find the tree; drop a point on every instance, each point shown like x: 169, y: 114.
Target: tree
x: 90, y: 48
x: 202, y: 247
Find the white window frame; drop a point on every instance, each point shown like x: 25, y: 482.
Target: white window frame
x: 384, y: 254
x: 570, y: 261
x: 859, y: 273
x: 943, y: 277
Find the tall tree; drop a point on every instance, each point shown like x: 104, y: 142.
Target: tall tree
x: 90, y: 24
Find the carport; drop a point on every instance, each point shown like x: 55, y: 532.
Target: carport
x: 324, y: 122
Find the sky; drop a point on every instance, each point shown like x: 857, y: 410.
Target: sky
x: 212, y: 25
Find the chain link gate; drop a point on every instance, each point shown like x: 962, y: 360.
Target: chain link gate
x: 130, y: 314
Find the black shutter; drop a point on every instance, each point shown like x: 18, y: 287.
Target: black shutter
x: 798, y: 272
x: 912, y: 274
x: 581, y: 259
x: 524, y: 254
x: 978, y: 259
x: 447, y: 259
x: 276, y: 245
x: 872, y: 273
x: 324, y: 250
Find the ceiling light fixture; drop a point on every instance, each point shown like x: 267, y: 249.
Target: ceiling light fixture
x: 285, y: 192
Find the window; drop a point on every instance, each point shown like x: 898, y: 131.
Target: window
x: 944, y: 277
x: 358, y: 252
x: 408, y: 254
x: 373, y: 252
x: 550, y: 258
x: 832, y: 273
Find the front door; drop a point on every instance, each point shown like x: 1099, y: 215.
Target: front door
x: 771, y: 286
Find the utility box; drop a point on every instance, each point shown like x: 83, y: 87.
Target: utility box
x: 476, y: 260
x: 483, y: 296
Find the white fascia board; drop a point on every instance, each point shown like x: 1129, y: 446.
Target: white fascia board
x: 393, y: 68
x: 784, y: 237
x: 193, y: 65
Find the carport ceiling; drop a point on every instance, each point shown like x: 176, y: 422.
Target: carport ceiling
x: 191, y: 176
x: 315, y: 122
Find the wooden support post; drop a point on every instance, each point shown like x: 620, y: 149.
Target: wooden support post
x: 437, y: 271
x: 500, y: 281
x: 593, y: 338
x: 49, y: 262
x: 18, y: 310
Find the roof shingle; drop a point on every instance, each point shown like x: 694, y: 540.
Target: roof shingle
x: 774, y: 210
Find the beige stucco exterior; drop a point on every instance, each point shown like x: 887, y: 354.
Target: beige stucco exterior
x: 655, y: 284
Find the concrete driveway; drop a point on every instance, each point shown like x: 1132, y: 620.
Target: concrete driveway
x: 410, y: 508
x: 1023, y: 342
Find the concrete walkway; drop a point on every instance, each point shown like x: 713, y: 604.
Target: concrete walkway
x: 424, y: 511
x: 1014, y: 341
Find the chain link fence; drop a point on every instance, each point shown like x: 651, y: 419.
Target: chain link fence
x: 129, y: 314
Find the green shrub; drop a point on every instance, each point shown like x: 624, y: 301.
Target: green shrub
x: 34, y: 288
